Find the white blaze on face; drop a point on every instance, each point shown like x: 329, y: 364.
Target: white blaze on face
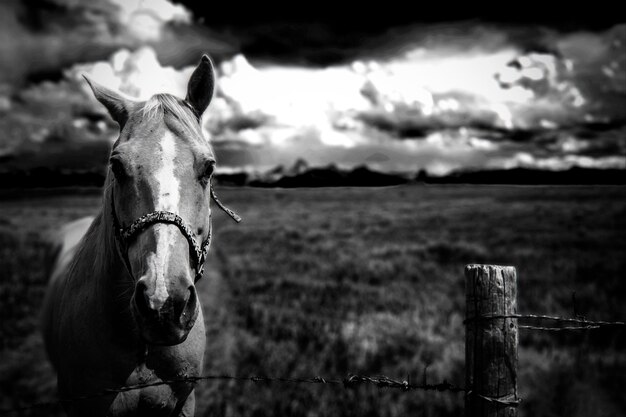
x: 167, y: 195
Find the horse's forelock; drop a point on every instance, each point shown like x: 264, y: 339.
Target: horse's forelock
x: 161, y: 104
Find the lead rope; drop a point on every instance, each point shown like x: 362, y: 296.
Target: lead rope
x: 226, y: 210
x: 206, y: 245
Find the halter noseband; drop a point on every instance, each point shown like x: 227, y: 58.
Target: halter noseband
x: 124, y: 235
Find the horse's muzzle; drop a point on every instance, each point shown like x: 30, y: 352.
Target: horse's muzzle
x: 168, y: 324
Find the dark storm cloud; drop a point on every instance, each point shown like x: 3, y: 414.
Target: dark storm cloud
x: 181, y: 44
x: 413, y: 125
x: 41, y: 38
x: 593, y: 140
x: 242, y: 121
x: 322, y: 44
x: 397, y: 12
x: 325, y: 32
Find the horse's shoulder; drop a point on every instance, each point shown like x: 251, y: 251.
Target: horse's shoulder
x: 71, y: 233
x: 64, y: 242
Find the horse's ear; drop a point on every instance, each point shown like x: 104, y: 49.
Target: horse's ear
x: 201, y: 86
x: 118, y: 106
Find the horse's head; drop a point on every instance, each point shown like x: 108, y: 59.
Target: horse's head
x: 161, y: 167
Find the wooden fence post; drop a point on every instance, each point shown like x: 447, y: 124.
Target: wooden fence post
x: 491, y: 344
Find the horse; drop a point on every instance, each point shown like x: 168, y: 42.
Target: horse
x: 121, y: 308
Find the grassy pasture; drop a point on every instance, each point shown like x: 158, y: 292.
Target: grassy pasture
x: 331, y: 281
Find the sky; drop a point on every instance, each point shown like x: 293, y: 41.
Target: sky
x: 447, y: 90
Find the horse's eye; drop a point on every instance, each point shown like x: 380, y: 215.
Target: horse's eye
x: 118, y: 168
x: 207, y: 171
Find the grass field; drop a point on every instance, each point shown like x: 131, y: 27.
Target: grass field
x: 336, y: 281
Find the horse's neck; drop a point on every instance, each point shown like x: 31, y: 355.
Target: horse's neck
x: 99, y: 272
x: 110, y: 261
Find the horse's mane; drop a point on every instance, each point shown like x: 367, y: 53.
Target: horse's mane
x: 98, y: 244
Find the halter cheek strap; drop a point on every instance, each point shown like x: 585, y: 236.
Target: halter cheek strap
x: 124, y: 235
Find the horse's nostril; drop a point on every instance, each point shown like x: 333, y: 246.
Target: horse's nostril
x: 141, y: 297
x: 190, y: 306
x: 180, y: 304
x: 146, y: 299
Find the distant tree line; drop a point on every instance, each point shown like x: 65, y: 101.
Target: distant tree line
x: 331, y: 176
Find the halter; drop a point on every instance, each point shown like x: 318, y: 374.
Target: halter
x: 124, y: 235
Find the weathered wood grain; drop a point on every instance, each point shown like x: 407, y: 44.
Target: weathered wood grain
x: 491, y: 344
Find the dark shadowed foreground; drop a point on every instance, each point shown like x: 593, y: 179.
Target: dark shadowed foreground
x: 332, y: 281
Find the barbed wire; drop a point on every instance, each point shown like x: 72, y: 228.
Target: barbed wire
x: 349, y: 382
x: 558, y: 329
x: 509, y: 400
x: 584, y: 323
x: 352, y: 380
x: 588, y: 324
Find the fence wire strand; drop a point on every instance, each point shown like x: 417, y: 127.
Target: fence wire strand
x: 352, y: 380
x: 348, y: 383
x: 584, y: 324
x: 559, y: 329
x: 509, y: 401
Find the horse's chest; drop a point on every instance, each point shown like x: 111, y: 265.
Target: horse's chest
x: 161, y: 367
x: 160, y: 394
